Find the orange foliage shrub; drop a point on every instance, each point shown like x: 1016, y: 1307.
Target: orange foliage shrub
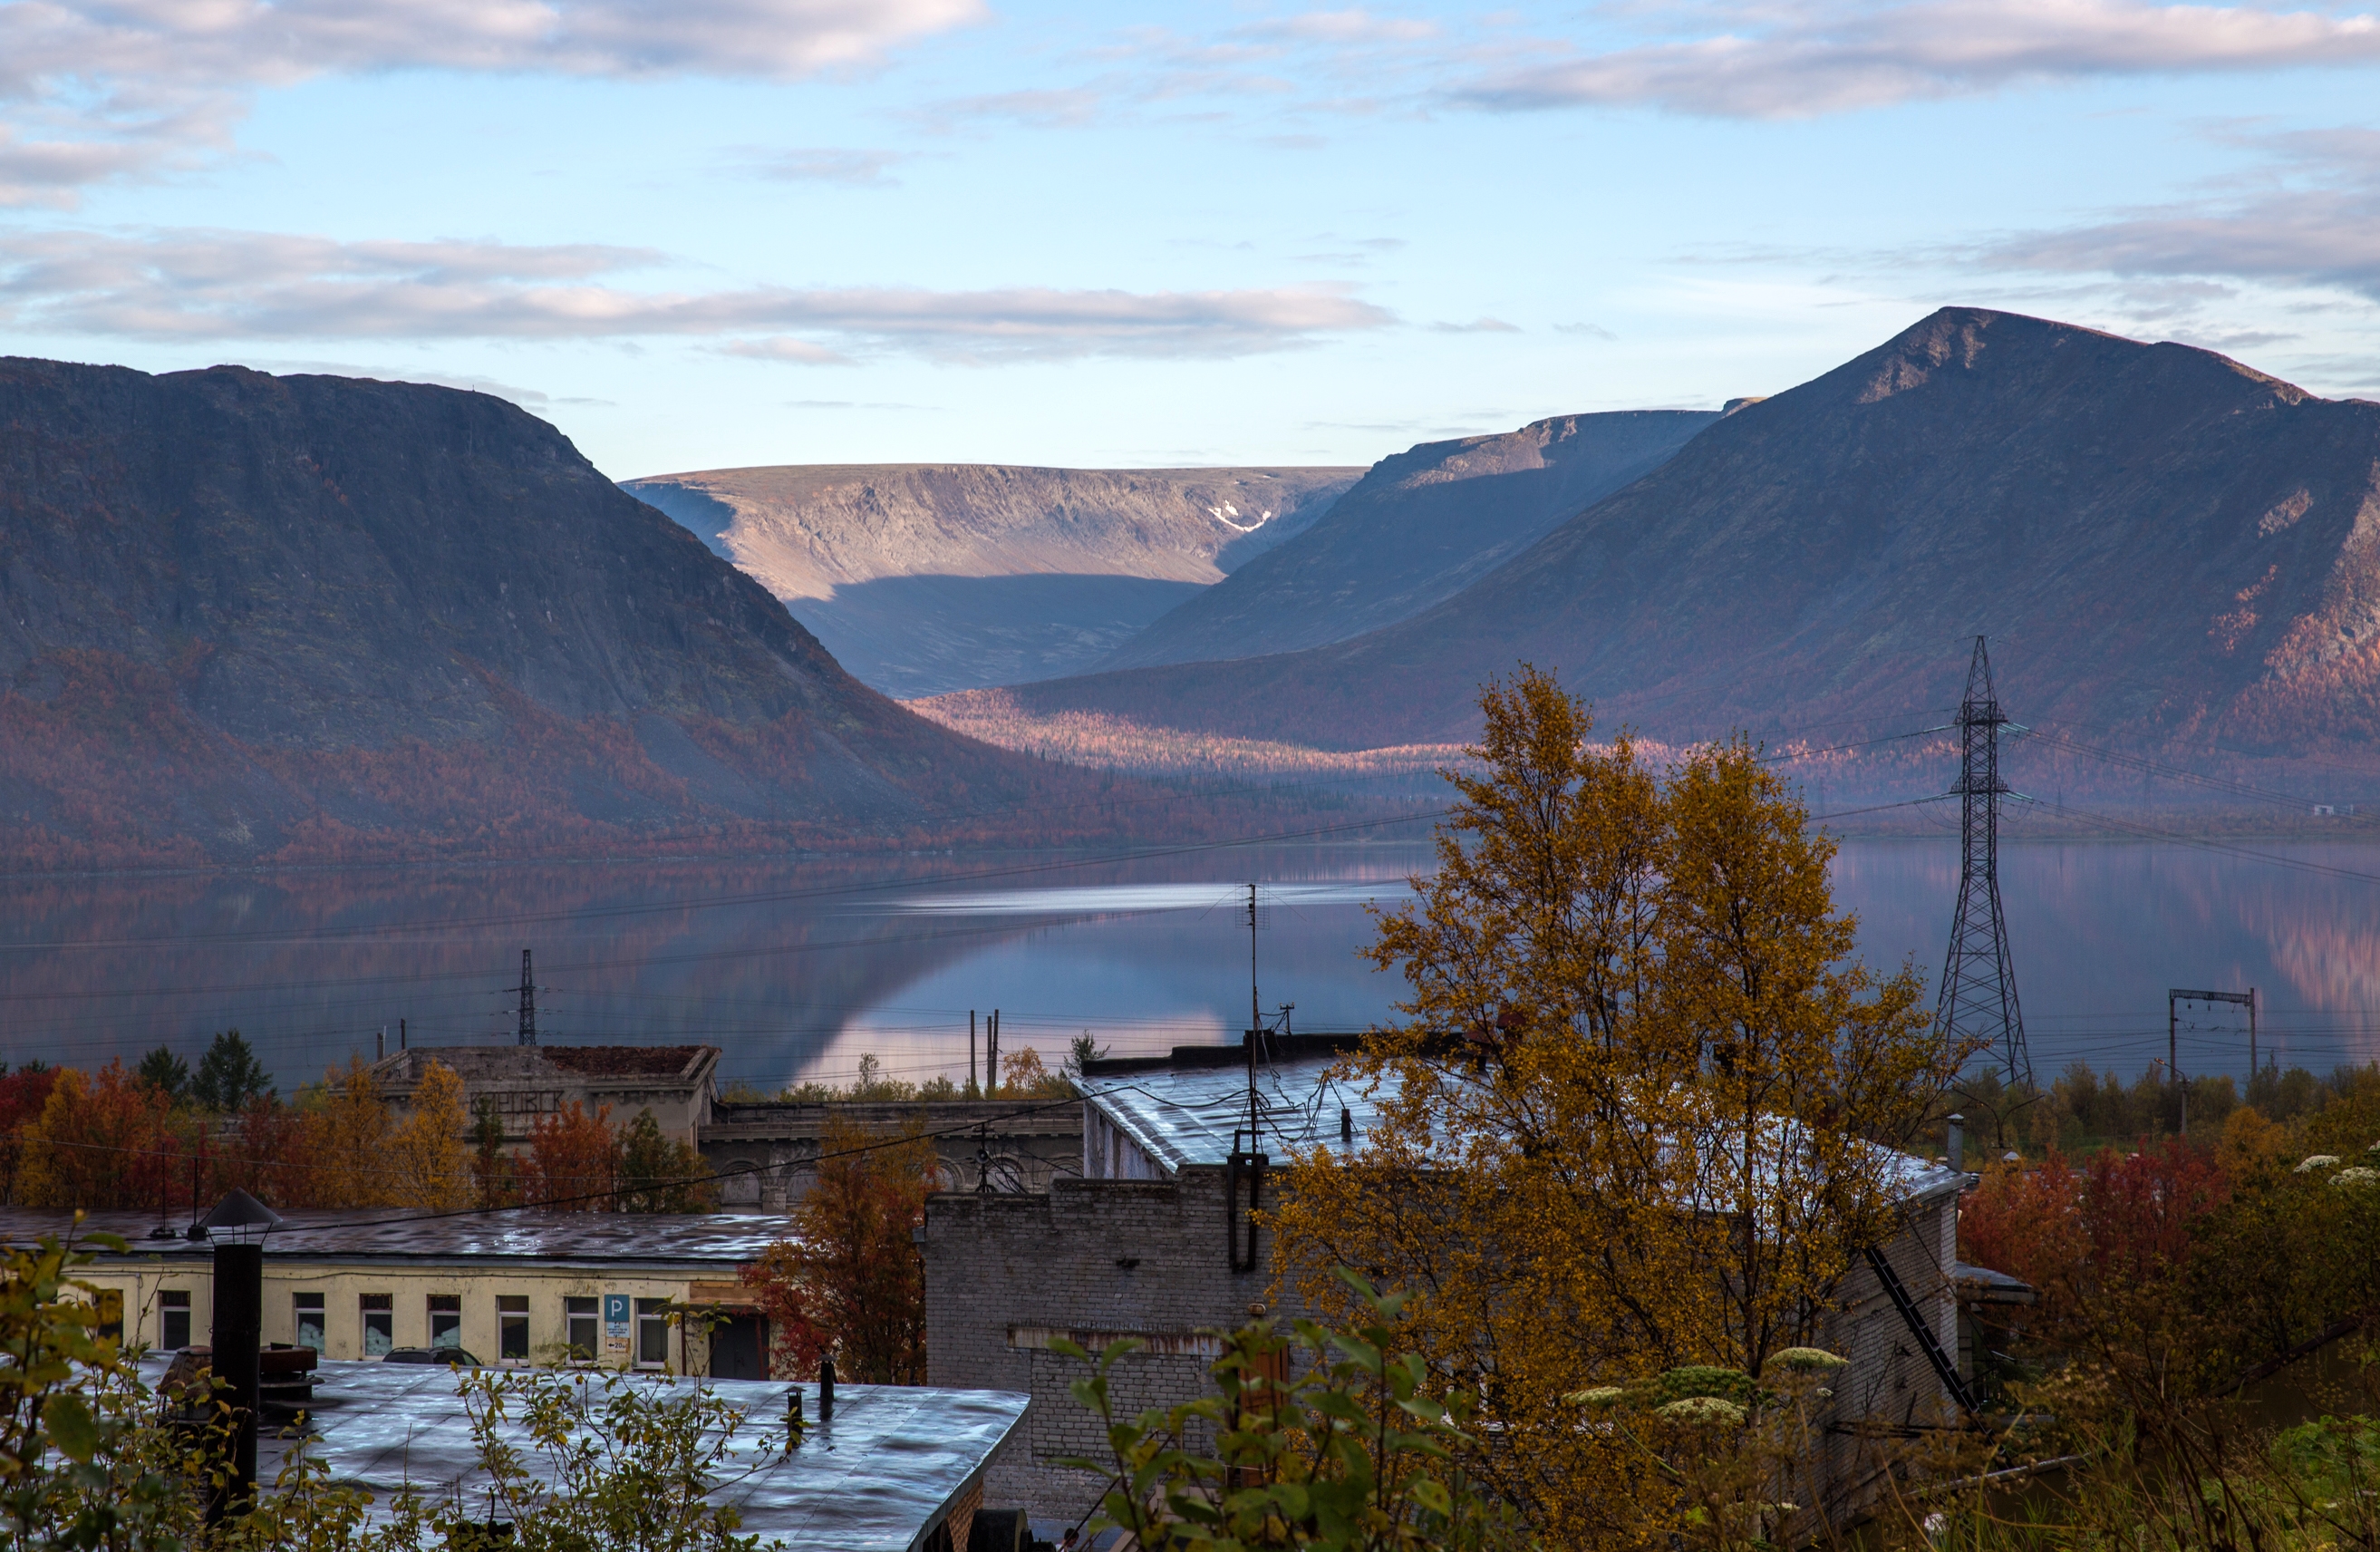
x: 572, y: 1158
x: 850, y: 1281
x: 2125, y: 1216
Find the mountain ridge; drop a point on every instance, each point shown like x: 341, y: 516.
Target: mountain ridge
x: 1419, y: 527
x: 926, y: 577
x: 247, y: 617
x: 2160, y: 541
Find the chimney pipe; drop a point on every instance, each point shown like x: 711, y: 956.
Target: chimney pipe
x: 1959, y: 1144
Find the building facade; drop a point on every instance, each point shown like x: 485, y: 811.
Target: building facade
x: 658, y: 1292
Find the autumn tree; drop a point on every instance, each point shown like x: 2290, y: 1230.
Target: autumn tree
x: 104, y: 1141
x: 348, y: 1135
x: 494, y: 1174
x: 850, y: 1281
x: 22, y: 1095
x: 573, y: 1160
x: 428, y: 1165
x: 1023, y: 1075
x: 1642, y: 1110
x: 660, y: 1174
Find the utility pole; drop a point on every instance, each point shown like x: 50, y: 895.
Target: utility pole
x: 2174, y: 998
x: 972, y: 1090
x: 1256, y: 1011
x: 1978, y: 996
x: 527, y: 1004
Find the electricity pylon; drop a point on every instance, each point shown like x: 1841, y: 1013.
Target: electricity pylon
x: 1978, y: 999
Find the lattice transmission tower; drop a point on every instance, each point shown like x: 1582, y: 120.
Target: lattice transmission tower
x: 1978, y: 996
x: 528, y: 1035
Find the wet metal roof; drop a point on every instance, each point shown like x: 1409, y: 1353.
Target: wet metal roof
x: 394, y: 1234
x: 1186, y: 1112
x: 1186, y: 1115
x: 877, y: 1479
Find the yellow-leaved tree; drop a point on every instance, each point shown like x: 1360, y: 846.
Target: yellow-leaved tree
x: 1643, y: 1113
x: 428, y: 1164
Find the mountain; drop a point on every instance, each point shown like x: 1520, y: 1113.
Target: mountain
x: 925, y: 578
x: 245, y: 617
x: 2166, y: 547
x: 1417, y: 528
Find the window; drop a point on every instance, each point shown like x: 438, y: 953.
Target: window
x: 652, y: 1333
x: 512, y: 1327
x: 173, y: 1319
x: 310, y: 1322
x: 445, y: 1320
x: 585, y: 1335
x: 379, y: 1324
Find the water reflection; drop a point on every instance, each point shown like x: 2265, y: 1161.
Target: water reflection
x: 797, y: 971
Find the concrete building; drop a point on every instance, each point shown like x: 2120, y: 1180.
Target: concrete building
x: 767, y: 1150
x: 1153, y: 1241
x: 677, y: 1083
x: 515, y: 1287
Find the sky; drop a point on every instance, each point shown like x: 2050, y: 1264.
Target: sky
x: 709, y: 233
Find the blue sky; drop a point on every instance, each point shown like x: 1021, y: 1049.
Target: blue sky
x: 718, y: 232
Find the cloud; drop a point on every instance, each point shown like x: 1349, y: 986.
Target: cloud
x: 2315, y: 222
x: 1592, y: 331
x: 823, y: 163
x: 1477, y: 326
x: 782, y: 348
x: 1351, y: 25
x: 95, y: 90
x: 193, y: 286
x: 1065, y: 108
x: 1795, y: 62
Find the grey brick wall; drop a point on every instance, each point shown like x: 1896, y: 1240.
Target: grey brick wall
x: 1096, y: 1258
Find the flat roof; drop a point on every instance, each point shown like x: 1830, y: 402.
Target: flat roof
x: 1184, y: 1113
x: 877, y: 1479
x: 515, y: 1235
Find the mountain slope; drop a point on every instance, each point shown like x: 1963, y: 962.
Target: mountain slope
x: 1418, y: 527
x: 2161, y: 543
x: 243, y: 616
x: 922, y: 578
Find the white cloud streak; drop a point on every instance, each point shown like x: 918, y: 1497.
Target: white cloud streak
x: 179, y: 286
x: 98, y: 89
x: 1802, y: 61
x: 2317, y: 226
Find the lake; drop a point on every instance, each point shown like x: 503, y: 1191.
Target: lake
x: 796, y: 971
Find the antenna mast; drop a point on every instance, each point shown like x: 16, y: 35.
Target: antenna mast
x: 1978, y: 996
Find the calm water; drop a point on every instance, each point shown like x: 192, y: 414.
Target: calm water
x: 797, y: 971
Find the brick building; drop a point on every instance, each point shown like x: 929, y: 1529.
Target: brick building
x: 1153, y: 1241
x: 767, y: 1150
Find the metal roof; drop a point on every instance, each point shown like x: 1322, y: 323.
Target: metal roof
x: 1186, y: 1115
x: 393, y: 1234
x: 1183, y: 1115
x: 877, y: 1479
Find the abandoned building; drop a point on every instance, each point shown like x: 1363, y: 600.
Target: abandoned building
x: 765, y: 1151
x: 677, y: 1083
x: 1153, y: 1240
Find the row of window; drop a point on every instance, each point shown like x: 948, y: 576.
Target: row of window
x: 582, y: 1318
